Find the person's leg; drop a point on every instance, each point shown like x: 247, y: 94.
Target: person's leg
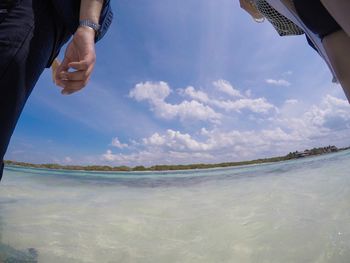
x: 335, y: 41
x: 340, y: 10
x: 337, y: 46
x: 27, y: 40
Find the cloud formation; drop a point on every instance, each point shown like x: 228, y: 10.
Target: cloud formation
x: 201, y: 106
x: 155, y: 93
x: 278, y: 82
x: 259, y: 105
x: 216, y: 146
x: 288, y: 127
x: 195, y: 94
x: 118, y: 144
x: 226, y: 87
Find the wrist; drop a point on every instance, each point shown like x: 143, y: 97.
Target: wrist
x: 86, y: 32
x: 90, y: 24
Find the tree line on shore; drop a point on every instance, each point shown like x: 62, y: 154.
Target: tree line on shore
x: 291, y: 155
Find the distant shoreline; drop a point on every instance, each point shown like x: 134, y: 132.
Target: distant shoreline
x: 105, y: 168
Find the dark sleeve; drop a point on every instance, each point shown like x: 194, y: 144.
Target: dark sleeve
x: 316, y: 17
x: 105, y: 20
x: 69, y: 10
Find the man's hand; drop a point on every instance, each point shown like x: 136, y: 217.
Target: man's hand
x: 74, y: 72
x: 250, y: 8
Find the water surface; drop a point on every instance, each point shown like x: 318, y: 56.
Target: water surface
x: 296, y: 211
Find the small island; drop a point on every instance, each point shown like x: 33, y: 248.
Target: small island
x: 289, y: 156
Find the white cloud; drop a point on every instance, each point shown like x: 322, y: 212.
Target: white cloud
x: 68, y: 159
x: 332, y: 115
x: 216, y: 146
x: 291, y: 101
x: 331, y: 101
x: 187, y: 110
x: 204, y: 131
x: 155, y: 140
x: 175, y: 140
x: 153, y: 157
x: 196, y: 94
x: 108, y: 156
x: 226, y: 87
x: 283, y: 132
x: 259, y: 105
x: 201, y: 107
x: 288, y: 73
x: 156, y: 93
x: 278, y: 82
x: 293, y: 126
x: 118, y: 144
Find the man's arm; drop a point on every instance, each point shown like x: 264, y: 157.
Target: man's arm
x: 80, y: 54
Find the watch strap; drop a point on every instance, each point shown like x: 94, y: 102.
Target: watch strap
x: 89, y: 23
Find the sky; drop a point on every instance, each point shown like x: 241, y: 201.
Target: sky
x: 181, y: 82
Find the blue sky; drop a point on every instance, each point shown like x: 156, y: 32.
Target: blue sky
x: 184, y: 82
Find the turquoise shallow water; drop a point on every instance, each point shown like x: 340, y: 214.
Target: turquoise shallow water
x: 296, y: 211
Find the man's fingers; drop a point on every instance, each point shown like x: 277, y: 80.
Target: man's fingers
x: 71, y: 86
x: 76, y: 75
x: 81, y: 65
x: 55, y: 64
x: 63, y: 67
x: 74, y: 81
x: 74, y: 84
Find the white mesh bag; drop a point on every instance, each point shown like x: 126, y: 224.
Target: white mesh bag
x: 283, y: 25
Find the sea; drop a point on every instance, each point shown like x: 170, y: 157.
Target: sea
x: 293, y: 211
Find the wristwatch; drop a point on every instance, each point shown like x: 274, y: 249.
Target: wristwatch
x: 89, y: 23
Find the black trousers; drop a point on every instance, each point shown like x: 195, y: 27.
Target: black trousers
x: 316, y: 17
x: 31, y: 35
